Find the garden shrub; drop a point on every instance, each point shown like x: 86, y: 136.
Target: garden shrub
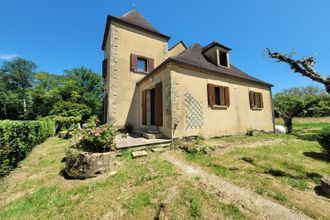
x: 17, y: 139
x: 324, y: 139
x: 97, y: 139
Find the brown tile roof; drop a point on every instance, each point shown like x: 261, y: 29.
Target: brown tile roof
x: 135, y: 20
x: 193, y: 57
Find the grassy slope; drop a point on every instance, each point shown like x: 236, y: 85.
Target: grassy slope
x: 286, y: 171
x: 37, y: 190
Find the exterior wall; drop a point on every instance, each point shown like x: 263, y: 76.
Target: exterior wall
x: 176, y: 50
x: 192, y: 116
x: 164, y: 77
x: 120, y: 80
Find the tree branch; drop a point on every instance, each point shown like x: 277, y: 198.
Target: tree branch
x: 303, y: 66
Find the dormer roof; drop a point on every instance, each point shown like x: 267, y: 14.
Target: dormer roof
x: 215, y: 44
x: 135, y: 20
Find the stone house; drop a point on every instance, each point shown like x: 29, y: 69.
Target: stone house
x: 178, y: 91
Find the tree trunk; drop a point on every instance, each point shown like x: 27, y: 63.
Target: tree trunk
x: 288, y: 124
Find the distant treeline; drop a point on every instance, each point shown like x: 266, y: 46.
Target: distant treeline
x: 27, y: 95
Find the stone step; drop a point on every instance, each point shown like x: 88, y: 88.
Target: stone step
x: 151, y: 136
x: 158, y: 149
x: 137, y: 154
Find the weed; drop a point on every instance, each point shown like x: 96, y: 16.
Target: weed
x: 232, y: 211
x: 300, y: 184
x: 195, y: 208
x: 139, y: 200
x: 280, y: 196
x: 219, y: 170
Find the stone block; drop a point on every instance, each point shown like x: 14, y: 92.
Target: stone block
x: 137, y: 154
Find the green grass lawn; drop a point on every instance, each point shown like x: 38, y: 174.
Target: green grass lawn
x: 37, y: 190
x: 284, y: 168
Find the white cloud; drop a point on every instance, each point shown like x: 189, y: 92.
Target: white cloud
x: 4, y: 56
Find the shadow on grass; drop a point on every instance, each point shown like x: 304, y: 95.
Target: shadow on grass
x: 318, y: 156
x: 318, y: 190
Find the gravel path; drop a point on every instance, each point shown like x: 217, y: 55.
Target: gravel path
x: 251, y: 203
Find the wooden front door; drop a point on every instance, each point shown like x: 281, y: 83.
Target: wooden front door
x: 152, y: 106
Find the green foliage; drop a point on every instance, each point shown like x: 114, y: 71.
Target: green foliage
x: 71, y: 109
x: 17, y: 138
x: 138, y: 201
x: 324, y: 139
x: 293, y: 102
x: 97, y: 139
x: 16, y: 79
x: 65, y: 123
x: 25, y: 94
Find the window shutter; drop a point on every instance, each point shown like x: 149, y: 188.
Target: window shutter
x: 133, y: 62
x: 251, y: 99
x: 257, y: 99
x: 150, y: 64
x: 222, y: 96
x: 159, y: 104
x: 104, y: 68
x: 227, y: 96
x: 210, y: 94
x: 261, y: 100
x: 144, y: 110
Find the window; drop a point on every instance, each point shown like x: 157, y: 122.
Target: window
x: 256, y: 100
x: 104, y: 68
x: 141, y: 64
x: 223, y: 59
x: 218, y: 96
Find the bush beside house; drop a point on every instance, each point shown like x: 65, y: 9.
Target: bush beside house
x: 17, y: 139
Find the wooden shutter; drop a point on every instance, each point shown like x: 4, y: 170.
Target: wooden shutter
x: 261, y: 100
x: 222, y: 96
x: 227, y: 96
x: 144, y: 108
x: 251, y: 97
x: 105, y: 108
x: 104, y: 68
x: 257, y: 99
x: 133, y: 62
x: 150, y: 64
x: 159, y: 104
x: 210, y: 94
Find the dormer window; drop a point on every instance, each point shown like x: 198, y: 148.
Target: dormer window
x: 217, y: 54
x: 223, y: 59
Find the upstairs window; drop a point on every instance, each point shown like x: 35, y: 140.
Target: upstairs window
x: 223, y: 59
x: 141, y: 64
x: 218, y: 96
x: 256, y: 100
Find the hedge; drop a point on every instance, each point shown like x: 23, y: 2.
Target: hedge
x: 17, y: 139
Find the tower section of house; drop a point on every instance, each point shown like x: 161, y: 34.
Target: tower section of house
x: 132, y: 48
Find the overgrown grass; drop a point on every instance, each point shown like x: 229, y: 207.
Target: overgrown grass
x: 38, y: 191
x: 286, y: 171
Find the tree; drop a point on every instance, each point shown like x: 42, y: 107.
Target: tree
x: 45, y: 93
x: 290, y: 103
x: 86, y: 87
x: 304, y: 66
x: 19, y: 75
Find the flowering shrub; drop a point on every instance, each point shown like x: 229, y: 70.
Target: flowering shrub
x: 97, y: 139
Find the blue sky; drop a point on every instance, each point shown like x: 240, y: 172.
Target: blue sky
x: 63, y: 34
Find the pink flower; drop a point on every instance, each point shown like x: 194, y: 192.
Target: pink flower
x: 96, y: 134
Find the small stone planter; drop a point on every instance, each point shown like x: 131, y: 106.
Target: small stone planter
x: 87, y: 165
x: 325, y: 185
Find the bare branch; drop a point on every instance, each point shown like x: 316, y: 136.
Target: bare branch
x: 303, y: 66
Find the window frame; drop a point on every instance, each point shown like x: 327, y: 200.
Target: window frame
x: 143, y: 59
x: 257, y: 100
x: 219, y: 96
